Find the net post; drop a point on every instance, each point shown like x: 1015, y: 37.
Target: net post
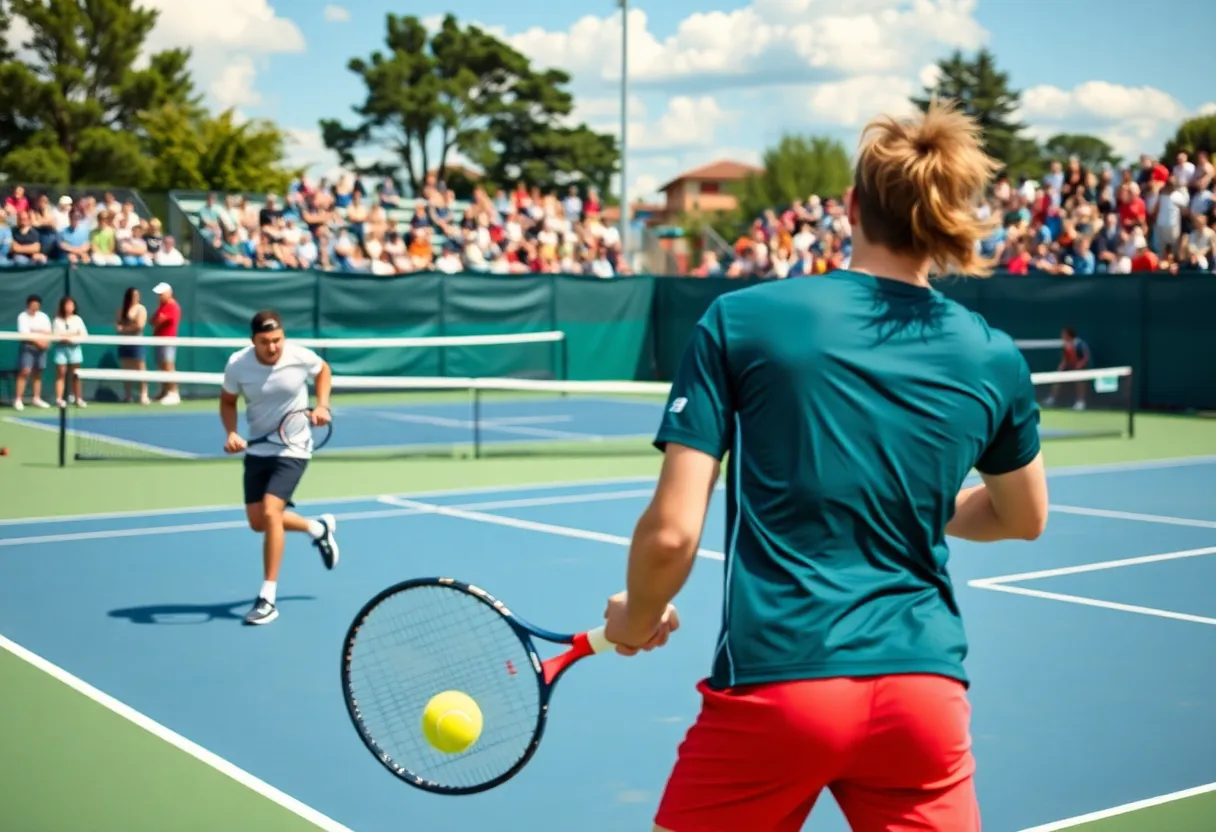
x: 63, y: 435
x: 476, y: 422
x: 1131, y: 405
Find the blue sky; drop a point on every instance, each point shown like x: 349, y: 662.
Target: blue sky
x: 724, y: 78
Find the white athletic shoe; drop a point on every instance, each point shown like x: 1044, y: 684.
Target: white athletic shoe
x: 263, y: 612
x: 327, y: 543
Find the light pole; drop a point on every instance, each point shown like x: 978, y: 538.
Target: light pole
x: 624, y: 4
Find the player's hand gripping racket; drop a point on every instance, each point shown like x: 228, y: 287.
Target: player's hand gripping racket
x: 428, y: 636
x: 297, y: 430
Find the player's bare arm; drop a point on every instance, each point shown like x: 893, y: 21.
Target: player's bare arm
x: 663, y: 550
x: 1010, y: 506
x: 234, y: 443
x: 323, y: 384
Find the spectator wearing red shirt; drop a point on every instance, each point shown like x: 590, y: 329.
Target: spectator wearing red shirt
x: 1132, y: 210
x: 17, y: 201
x: 1145, y: 260
x: 165, y: 322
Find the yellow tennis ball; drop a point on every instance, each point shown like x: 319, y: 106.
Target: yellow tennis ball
x: 451, y: 721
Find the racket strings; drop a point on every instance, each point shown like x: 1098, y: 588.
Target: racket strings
x: 429, y: 639
x: 298, y: 431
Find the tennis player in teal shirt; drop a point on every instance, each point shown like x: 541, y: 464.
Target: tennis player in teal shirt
x: 851, y: 408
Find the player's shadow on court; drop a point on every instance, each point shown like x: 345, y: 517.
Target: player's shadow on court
x: 180, y: 614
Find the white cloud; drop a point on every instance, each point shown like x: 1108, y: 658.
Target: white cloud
x: 1133, y: 120
x: 336, y: 14
x: 854, y: 101
x: 233, y: 86
x: 765, y: 39
x: 228, y: 39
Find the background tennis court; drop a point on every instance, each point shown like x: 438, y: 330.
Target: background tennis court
x: 1092, y: 684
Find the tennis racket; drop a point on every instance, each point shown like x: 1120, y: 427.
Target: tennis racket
x: 297, y: 431
x: 428, y: 635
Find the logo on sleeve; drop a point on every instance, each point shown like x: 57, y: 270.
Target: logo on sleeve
x: 677, y: 406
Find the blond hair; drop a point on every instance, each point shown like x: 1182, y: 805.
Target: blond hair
x: 918, y: 184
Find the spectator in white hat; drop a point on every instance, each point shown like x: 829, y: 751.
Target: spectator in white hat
x: 165, y: 323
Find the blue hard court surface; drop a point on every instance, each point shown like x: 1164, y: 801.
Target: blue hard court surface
x: 1076, y: 708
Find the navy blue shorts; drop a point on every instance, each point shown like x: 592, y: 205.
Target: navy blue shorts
x: 276, y: 475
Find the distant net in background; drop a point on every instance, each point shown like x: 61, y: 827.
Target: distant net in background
x: 382, y: 417
x: 378, y: 417
x: 1086, y: 403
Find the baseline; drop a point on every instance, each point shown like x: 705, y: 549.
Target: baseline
x: 363, y: 498
x: 402, y: 511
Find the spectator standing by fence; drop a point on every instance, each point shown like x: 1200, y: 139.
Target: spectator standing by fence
x: 165, y: 323
x: 131, y: 319
x: 31, y: 356
x: 68, y: 328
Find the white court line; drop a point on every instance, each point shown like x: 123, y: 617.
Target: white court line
x: 464, y: 424
x: 524, y: 502
x: 364, y: 498
x: 1126, y: 808
x: 1131, y: 515
x: 1140, y: 465
x: 1005, y: 583
x: 1094, y: 602
x: 176, y: 740
x: 529, y: 525
x: 1072, y: 470
x: 1094, y: 567
x: 105, y: 437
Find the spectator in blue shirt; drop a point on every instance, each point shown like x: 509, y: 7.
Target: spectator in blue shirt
x: 74, y: 243
x: 1081, y: 258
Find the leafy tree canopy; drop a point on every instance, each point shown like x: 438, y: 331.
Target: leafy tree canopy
x: 463, y: 90
x: 983, y: 92
x: 75, y: 110
x: 1090, y: 150
x: 1193, y: 135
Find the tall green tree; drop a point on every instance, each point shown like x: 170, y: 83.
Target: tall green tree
x: 1092, y: 151
x: 74, y: 109
x: 1192, y: 136
x: 983, y: 91
x: 463, y: 90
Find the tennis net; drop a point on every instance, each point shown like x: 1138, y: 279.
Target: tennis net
x: 386, y: 418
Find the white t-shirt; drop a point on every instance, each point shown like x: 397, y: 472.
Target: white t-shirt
x: 74, y: 325
x: 271, y: 393
x: 28, y: 324
x: 169, y: 258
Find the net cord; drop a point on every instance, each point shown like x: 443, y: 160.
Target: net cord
x: 311, y: 343
x: 408, y: 383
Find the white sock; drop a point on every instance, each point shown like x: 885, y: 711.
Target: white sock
x: 316, y: 528
x: 268, y: 589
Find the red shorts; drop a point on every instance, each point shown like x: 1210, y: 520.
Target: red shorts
x: 895, y: 751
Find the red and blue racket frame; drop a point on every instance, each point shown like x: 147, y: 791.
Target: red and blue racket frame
x: 547, y: 672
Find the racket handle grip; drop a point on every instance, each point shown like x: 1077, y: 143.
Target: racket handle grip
x: 599, y: 644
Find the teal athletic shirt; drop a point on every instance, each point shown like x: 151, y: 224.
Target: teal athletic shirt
x: 852, y: 408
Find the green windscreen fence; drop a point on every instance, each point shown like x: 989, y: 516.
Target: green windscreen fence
x: 623, y: 328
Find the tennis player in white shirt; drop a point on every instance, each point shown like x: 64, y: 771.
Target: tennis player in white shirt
x: 272, y: 375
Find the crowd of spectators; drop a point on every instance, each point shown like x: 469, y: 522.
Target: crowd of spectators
x: 81, y: 231
x: 341, y: 226
x: 1110, y: 220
